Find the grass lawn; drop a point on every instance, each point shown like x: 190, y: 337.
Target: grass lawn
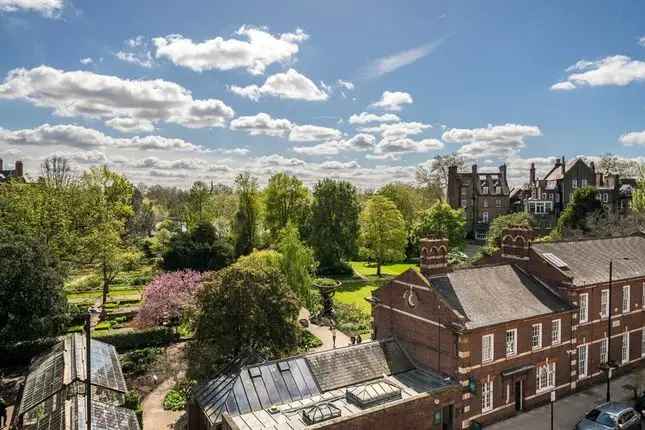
x: 355, y: 293
x: 369, y: 269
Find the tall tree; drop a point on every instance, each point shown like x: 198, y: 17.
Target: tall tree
x: 110, y: 196
x: 245, y: 308
x: 57, y: 172
x: 611, y: 164
x: 638, y: 198
x: 287, y: 199
x: 298, y: 264
x: 383, y: 231
x: 201, y: 249
x: 334, y: 223
x: 443, y: 221
x: 574, y: 217
x: 33, y: 303
x: 142, y: 221
x: 247, y: 216
x: 435, y: 177
x: 200, y: 205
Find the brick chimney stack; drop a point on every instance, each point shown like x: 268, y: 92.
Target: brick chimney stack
x: 532, y: 174
x: 434, y: 256
x: 502, y: 171
x: 564, y: 165
x: 19, y: 169
x: 516, y: 242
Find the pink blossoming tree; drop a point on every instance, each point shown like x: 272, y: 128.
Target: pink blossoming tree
x: 168, y: 297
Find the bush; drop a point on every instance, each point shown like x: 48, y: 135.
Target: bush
x: 133, y: 402
x: 341, y: 268
x: 139, y: 361
x: 309, y: 341
x: 21, y: 353
x: 138, y: 339
x: 174, y: 401
x: 351, y: 320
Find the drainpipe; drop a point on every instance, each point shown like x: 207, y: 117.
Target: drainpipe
x: 88, y: 372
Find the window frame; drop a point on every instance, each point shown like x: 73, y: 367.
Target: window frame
x: 539, y: 336
x: 604, y: 307
x: 584, y: 348
x: 624, y: 349
x: 584, y: 308
x: 555, y: 340
x: 626, y: 301
x: 514, y: 345
x: 487, y: 395
x: 545, y: 377
x: 491, y: 357
x: 604, y: 350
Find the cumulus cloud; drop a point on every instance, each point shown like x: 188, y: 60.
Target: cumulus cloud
x: 86, y: 61
x: 366, y: 118
x: 130, y: 125
x: 48, y: 8
x: 278, y: 160
x: 393, y: 101
x: 325, y: 148
x: 289, y: 85
x: 641, y: 41
x: 405, y: 145
x: 633, y: 138
x: 313, y: 133
x: 339, y: 165
x: 259, y: 49
x: 87, y: 94
x: 398, y: 129
x: 82, y: 137
x: 345, y: 84
x: 262, y: 124
x: 499, y: 141
x: 618, y: 70
x: 360, y: 142
x: 388, y: 64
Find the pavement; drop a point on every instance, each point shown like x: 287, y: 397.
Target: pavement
x: 569, y: 410
x: 324, y: 334
x: 154, y: 415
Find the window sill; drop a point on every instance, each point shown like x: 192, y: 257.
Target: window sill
x: 545, y: 389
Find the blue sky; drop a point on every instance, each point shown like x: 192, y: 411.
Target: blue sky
x: 172, y: 92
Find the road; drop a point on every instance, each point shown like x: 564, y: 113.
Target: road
x: 570, y: 409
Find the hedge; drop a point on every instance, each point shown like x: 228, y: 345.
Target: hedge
x: 136, y: 339
x: 21, y: 353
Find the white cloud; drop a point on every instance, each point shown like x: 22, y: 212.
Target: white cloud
x: 345, y: 84
x: 499, y: 141
x: 398, y: 129
x: 262, y: 124
x: 313, y: 133
x: 617, y: 70
x: 360, y: 142
x: 137, y: 52
x: 279, y: 160
x: 339, y: 165
x: 393, y: 101
x: 255, y: 54
x: 87, y: 60
x: 289, y: 85
x: 48, y: 8
x: 326, y: 148
x: 157, y: 163
x: 130, y: 125
x: 87, y: 94
x: 633, y: 138
x: 82, y: 137
x: 366, y: 118
x: 406, y: 145
x: 641, y: 41
x: 391, y: 63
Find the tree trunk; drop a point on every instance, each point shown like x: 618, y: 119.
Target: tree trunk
x: 378, y: 268
x: 106, y: 287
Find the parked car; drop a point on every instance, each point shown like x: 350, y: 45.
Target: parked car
x: 611, y: 416
x: 640, y: 404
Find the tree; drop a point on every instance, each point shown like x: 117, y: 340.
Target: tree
x: 502, y: 222
x: 246, y: 308
x: 443, y: 221
x: 109, y: 195
x: 334, y: 223
x: 246, y: 217
x: 286, y: 200
x: 383, y: 231
x: 168, y: 298
x: 31, y: 290
x: 57, y: 172
x: 298, y: 264
x: 201, y: 249
x: 142, y: 221
x: 611, y: 164
x: 638, y: 198
x: 435, y: 177
x: 574, y: 216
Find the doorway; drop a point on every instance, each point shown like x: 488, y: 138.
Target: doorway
x: 519, y: 395
x: 447, y: 422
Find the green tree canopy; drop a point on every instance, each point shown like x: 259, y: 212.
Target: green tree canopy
x: 298, y: 264
x: 638, y: 198
x: 383, y: 232
x: 443, y: 221
x: 33, y: 303
x: 247, y: 307
x: 201, y: 249
x: 287, y: 199
x: 334, y: 223
x: 574, y: 217
x: 247, y: 216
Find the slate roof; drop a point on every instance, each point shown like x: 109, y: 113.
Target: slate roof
x: 258, y: 387
x: 495, y: 294
x: 587, y: 261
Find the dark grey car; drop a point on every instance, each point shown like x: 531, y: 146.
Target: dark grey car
x: 611, y: 416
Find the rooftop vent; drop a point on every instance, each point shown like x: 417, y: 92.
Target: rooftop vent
x: 319, y: 413
x: 283, y: 366
x: 375, y: 393
x: 555, y: 260
x: 254, y: 372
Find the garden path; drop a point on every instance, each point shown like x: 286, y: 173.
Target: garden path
x: 324, y: 334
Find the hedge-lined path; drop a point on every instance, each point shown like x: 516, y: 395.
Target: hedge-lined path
x: 324, y: 334
x: 154, y: 415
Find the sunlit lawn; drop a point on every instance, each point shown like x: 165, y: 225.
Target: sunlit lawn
x: 369, y: 269
x: 355, y: 293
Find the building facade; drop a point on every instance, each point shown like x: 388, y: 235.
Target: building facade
x: 546, y: 198
x: 7, y: 174
x: 482, y: 196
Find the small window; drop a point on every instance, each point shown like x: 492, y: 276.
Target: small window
x: 626, y: 298
x: 625, y: 349
x: 603, y: 351
x: 498, y: 203
x: 536, y: 336
x: 485, y: 203
x: 582, y: 361
x: 574, y: 183
x: 545, y: 376
x: 584, y: 307
x: 604, y: 303
x: 511, y: 342
x: 584, y: 182
x: 485, y: 216
x: 487, y: 395
x: 487, y: 348
x: 555, y: 332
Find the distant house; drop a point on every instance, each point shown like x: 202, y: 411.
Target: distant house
x: 6, y: 175
x: 53, y: 396
x: 546, y: 198
x: 365, y: 386
x: 482, y: 196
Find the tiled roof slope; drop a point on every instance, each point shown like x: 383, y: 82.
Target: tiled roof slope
x: 496, y: 294
x: 587, y: 261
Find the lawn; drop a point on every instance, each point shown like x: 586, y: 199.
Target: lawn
x: 369, y: 270
x: 355, y: 293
